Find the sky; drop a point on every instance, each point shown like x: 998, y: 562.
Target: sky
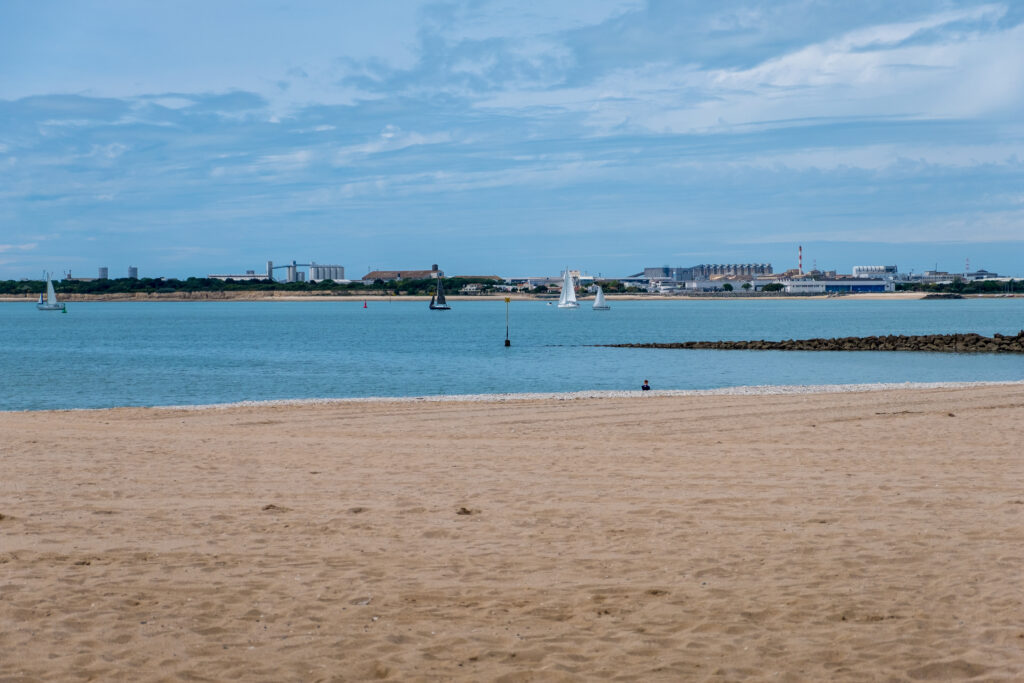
x: 509, y: 137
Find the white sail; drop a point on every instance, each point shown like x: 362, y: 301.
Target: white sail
x: 599, y: 302
x: 568, y: 298
x: 51, y: 298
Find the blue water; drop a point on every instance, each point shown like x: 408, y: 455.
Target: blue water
x: 118, y: 354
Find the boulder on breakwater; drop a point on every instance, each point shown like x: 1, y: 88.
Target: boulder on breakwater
x: 932, y: 343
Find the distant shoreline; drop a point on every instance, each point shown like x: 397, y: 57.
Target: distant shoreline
x: 356, y: 297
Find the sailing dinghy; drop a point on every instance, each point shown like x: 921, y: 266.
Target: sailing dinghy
x: 599, y: 303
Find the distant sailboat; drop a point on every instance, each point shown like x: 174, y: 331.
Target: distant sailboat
x: 51, y: 303
x: 568, y: 298
x: 599, y: 302
x: 437, y: 300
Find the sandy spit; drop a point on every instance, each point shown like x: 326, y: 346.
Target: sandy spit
x: 782, y: 535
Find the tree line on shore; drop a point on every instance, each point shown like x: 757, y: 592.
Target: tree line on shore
x: 959, y: 286
x: 422, y: 287
x: 196, y: 284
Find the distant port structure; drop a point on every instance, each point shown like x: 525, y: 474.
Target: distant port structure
x: 706, y: 271
x: 317, y: 273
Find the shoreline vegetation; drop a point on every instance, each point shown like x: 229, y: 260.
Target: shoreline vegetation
x: 930, y: 343
x: 460, y: 289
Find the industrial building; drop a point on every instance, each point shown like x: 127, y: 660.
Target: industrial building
x: 392, y: 275
x: 318, y: 272
x: 704, y: 271
x: 981, y: 274
x: 851, y: 286
x: 248, y: 275
x: 737, y: 270
x: 883, y: 272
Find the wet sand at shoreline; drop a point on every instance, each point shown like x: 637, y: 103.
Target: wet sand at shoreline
x: 856, y: 536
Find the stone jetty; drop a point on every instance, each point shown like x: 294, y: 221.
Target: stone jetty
x: 933, y: 343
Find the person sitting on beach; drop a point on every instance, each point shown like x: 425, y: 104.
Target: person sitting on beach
x: 646, y: 386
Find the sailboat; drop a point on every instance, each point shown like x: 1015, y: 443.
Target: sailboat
x: 437, y: 300
x: 599, y: 303
x: 51, y: 303
x: 568, y: 298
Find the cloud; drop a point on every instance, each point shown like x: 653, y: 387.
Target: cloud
x: 962, y: 228
x: 965, y: 67
x: 391, y: 139
x: 538, y: 176
x: 650, y: 125
x: 900, y: 157
x: 27, y: 246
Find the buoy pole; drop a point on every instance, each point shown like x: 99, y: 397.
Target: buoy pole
x: 507, y: 300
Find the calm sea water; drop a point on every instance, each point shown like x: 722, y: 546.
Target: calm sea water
x: 120, y: 354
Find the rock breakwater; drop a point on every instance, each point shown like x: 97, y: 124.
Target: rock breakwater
x: 933, y: 343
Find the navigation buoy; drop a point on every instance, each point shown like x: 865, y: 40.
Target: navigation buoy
x: 364, y: 304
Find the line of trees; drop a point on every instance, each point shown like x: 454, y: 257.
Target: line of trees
x: 197, y: 284
x: 959, y: 286
x: 423, y: 287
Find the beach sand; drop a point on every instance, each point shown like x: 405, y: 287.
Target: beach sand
x: 858, y: 536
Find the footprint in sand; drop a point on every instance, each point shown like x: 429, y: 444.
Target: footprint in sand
x: 947, y: 671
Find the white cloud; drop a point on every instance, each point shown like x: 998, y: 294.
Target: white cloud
x: 26, y: 246
x: 391, y: 139
x: 868, y: 72
x: 517, y: 19
x: 545, y: 176
x: 287, y: 161
x: 67, y: 123
x: 111, y: 151
x: 966, y: 228
x: 172, y: 102
x: 268, y: 164
x: 876, y: 157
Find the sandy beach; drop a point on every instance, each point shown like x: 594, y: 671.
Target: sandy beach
x: 810, y: 536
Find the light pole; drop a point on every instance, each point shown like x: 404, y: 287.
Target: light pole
x: 507, y: 300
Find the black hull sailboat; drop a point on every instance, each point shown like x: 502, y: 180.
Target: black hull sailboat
x: 437, y: 300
